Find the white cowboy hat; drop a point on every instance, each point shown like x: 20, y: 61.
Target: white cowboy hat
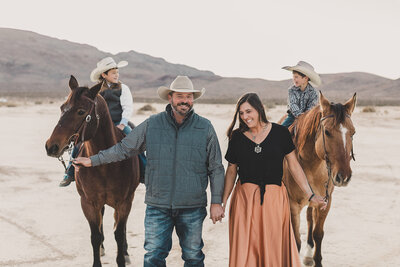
x: 181, y: 84
x: 104, y: 65
x: 308, y: 70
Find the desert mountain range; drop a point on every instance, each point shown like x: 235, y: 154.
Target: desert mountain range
x: 36, y: 65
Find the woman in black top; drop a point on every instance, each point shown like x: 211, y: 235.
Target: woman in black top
x: 260, y: 231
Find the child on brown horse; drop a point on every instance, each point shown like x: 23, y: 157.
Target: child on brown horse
x: 119, y: 101
x: 302, y: 95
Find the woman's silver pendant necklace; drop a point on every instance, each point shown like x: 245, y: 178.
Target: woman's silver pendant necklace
x: 257, y: 148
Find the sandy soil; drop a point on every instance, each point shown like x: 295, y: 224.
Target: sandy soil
x: 43, y: 225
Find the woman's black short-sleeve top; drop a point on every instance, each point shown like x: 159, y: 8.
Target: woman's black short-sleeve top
x: 265, y: 167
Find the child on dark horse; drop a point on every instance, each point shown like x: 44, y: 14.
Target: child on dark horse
x: 119, y: 101
x: 302, y: 95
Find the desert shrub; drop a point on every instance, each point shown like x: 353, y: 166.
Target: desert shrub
x: 369, y: 109
x: 269, y: 105
x: 8, y: 104
x: 146, y: 109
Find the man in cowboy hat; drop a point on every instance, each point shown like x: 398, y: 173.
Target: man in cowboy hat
x: 183, y: 154
x: 302, y: 95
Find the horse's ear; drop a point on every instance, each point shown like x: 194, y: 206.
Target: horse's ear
x: 324, y: 102
x: 73, y: 83
x: 94, y: 91
x: 351, y: 104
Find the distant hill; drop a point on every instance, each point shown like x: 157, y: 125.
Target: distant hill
x: 36, y: 65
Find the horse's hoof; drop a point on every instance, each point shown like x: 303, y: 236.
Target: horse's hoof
x: 308, y: 261
x: 127, y: 260
x: 102, y: 251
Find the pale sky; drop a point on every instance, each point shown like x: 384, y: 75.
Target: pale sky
x: 232, y: 38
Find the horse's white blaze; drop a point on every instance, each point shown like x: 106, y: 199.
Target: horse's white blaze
x: 65, y: 109
x: 344, y: 131
x: 309, y: 251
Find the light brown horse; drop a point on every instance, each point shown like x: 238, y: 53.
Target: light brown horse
x: 323, y: 138
x: 85, y: 117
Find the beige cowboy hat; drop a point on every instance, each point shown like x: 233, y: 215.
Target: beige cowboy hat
x: 104, y: 65
x: 181, y: 84
x: 308, y: 70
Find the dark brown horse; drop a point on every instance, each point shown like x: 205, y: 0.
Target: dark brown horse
x: 85, y: 116
x: 323, y: 138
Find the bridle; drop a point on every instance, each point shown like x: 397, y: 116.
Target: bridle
x: 82, y: 128
x: 80, y: 132
x: 327, y: 161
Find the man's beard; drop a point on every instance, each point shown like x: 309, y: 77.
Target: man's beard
x: 182, y: 113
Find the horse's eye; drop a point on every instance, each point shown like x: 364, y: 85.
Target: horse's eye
x: 327, y: 133
x: 81, y: 112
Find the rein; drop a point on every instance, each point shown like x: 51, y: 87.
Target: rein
x: 69, y: 151
x: 82, y: 128
x: 327, y: 161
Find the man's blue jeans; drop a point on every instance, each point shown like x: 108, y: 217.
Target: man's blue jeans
x: 159, y: 224
x: 127, y: 129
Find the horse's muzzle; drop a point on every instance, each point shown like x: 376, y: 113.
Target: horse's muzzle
x: 53, y: 150
x: 341, y: 180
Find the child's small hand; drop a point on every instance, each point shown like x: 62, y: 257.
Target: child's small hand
x: 121, y: 127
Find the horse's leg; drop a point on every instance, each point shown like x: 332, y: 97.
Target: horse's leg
x: 295, y: 210
x: 128, y: 261
x: 318, y: 233
x: 93, y: 215
x: 308, y: 258
x: 102, y: 250
x: 121, y: 216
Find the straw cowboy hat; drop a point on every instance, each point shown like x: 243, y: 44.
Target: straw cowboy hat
x: 104, y: 65
x: 308, y: 70
x: 181, y: 84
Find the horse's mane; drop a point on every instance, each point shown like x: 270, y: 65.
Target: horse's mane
x: 79, y: 91
x: 306, y: 125
x: 76, y: 94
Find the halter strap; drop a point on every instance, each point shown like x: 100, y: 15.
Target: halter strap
x: 327, y: 161
x: 85, y: 123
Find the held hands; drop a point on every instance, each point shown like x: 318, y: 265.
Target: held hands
x: 82, y: 161
x: 216, y: 213
x: 318, y: 201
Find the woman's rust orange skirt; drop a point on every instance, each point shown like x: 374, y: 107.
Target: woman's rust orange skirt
x: 261, y: 235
